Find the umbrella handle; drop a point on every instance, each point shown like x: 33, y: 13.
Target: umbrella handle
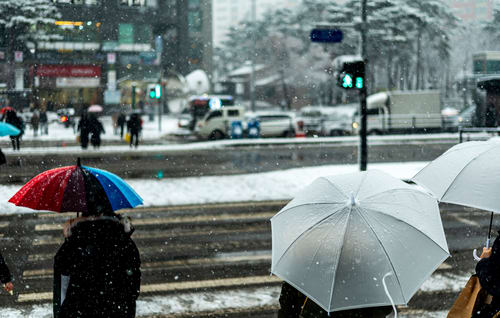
x: 389, y: 295
x: 474, y: 253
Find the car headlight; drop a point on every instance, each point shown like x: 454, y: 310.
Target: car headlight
x: 355, y: 125
x: 460, y: 119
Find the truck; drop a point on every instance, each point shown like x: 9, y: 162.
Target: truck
x: 402, y: 112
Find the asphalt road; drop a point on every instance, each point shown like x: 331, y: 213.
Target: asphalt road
x: 206, y: 248
x: 225, y: 160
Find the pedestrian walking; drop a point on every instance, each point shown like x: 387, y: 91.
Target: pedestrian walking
x: 44, y: 123
x: 134, y: 127
x: 294, y: 304
x: 12, y: 118
x: 5, y: 276
x: 96, y: 129
x: 97, y: 269
x: 35, y: 122
x: 120, y: 121
x: 84, y: 129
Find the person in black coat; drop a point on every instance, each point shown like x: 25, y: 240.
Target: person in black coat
x: 97, y: 269
x: 5, y: 276
x: 120, y: 121
x: 134, y: 126
x: 488, y: 273
x: 96, y: 129
x: 12, y: 118
x: 294, y: 304
x: 84, y: 129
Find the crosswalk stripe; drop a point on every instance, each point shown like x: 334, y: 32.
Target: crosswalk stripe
x: 177, y: 286
x: 40, y: 273
x: 156, y: 235
x: 177, y: 220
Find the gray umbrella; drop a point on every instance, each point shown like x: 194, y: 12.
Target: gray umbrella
x: 346, y: 238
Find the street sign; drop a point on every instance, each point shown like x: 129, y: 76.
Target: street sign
x: 326, y: 35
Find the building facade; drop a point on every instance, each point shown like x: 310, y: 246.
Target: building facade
x: 472, y: 10
x: 108, y: 51
x: 229, y: 13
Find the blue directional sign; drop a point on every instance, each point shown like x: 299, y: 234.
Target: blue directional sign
x: 326, y: 35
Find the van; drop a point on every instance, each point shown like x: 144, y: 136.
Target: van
x: 276, y: 123
x: 216, y: 123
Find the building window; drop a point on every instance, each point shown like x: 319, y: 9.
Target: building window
x: 133, y: 3
x: 87, y: 2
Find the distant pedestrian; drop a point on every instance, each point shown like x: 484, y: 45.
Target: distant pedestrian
x: 96, y: 129
x: 120, y: 121
x: 294, y: 304
x: 12, y: 118
x: 5, y: 276
x: 84, y: 129
x: 134, y: 127
x: 44, y: 123
x: 35, y: 122
x: 97, y: 269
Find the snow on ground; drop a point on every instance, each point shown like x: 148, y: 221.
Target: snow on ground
x: 275, y: 185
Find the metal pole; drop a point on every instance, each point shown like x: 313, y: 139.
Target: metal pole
x: 363, y: 145
x: 252, y: 75
x: 133, y: 96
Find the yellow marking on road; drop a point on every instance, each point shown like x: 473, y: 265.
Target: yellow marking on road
x: 176, y: 286
x: 40, y: 273
x: 177, y: 220
x: 4, y: 224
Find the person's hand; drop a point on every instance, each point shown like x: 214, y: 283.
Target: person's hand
x: 8, y: 287
x: 486, y: 252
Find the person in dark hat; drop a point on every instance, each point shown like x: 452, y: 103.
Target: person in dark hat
x: 97, y: 269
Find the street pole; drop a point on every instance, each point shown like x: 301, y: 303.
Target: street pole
x: 363, y: 145
x: 133, y: 95
x: 252, y: 75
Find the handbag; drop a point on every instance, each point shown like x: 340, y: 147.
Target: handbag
x: 127, y: 137
x: 471, y: 295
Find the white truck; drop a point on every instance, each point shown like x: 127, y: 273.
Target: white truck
x: 402, y: 112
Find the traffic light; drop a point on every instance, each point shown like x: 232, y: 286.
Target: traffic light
x: 154, y: 91
x: 351, y: 75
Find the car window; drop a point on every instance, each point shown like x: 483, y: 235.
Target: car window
x: 214, y: 114
x: 233, y: 113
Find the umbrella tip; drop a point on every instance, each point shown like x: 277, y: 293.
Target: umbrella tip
x: 78, y: 162
x: 352, y: 200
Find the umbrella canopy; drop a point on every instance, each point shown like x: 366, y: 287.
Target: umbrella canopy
x: 7, y: 129
x: 467, y: 174
x: 77, y: 189
x: 339, y: 238
x: 95, y: 109
x: 6, y: 109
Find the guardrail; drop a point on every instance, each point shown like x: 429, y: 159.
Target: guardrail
x: 461, y: 131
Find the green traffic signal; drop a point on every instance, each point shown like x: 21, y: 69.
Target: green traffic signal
x: 347, y: 81
x: 359, y: 82
x: 152, y: 93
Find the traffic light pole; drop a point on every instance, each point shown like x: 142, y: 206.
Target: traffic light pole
x: 363, y: 144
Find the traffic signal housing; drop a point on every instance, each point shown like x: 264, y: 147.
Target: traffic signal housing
x: 154, y: 91
x: 350, y: 73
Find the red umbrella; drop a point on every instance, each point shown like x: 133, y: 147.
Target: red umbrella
x: 6, y: 108
x: 76, y: 189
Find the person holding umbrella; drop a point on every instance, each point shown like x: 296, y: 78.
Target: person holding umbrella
x: 97, y: 269
x: 12, y: 118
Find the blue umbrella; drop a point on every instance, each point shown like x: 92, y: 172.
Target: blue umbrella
x: 8, y: 130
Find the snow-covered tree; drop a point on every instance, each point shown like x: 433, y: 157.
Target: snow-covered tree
x: 24, y: 20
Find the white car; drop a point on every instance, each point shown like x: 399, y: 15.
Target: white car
x: 277, y: 123
x: 217, y: 123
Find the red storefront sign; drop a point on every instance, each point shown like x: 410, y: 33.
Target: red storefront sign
x: 68, y: 71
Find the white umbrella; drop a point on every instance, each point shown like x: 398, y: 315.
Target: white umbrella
x: 346, y: 238
x: 467, y: 174
x: 95, y: 109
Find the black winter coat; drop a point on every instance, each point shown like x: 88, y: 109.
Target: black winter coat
x: 293, y: 304
x: 488, y: 272
x: 5, y: 276
x: 103, y: 265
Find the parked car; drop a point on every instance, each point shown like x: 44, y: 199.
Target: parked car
x: 328, y: 120
x: 466, y: 118
x: 277, y: 123
x: 216, y: 123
